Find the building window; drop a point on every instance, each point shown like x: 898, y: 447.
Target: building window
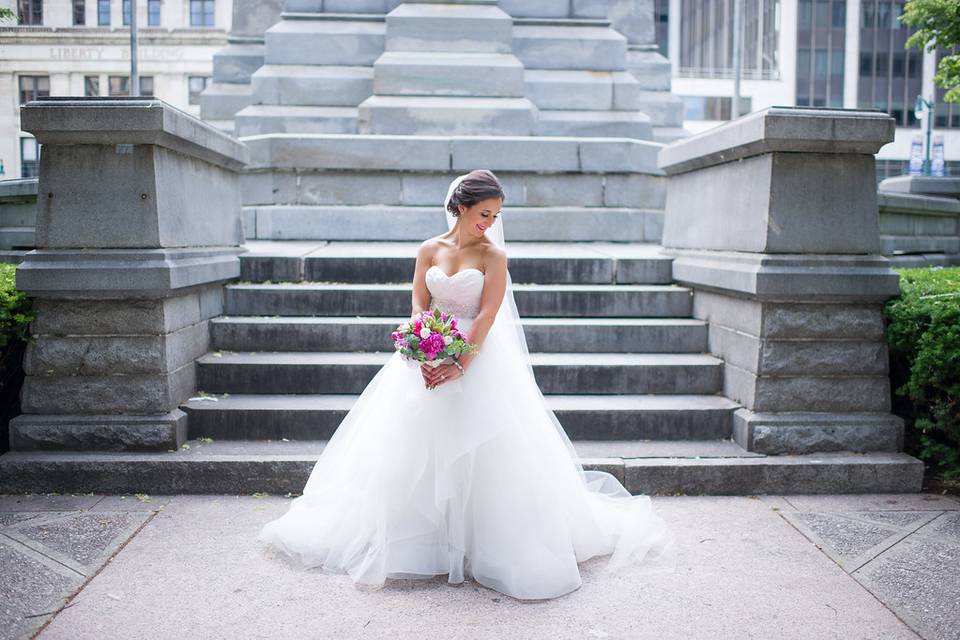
x: 30, y: 12
x: 120, y: 85
x: 153, y: 13
x: 197, y: 84
x: 33, y: 87
x: 103, y: 13
x: 661, y: 19
x: 706, y: 39
x: 890, y: 76
x: 821, y: 30
x: 91, y: 86
x: 29, y: 158
x: 712, y: 107
x: 79, y: 13
x: 126, y: 13
x: 201, y: 13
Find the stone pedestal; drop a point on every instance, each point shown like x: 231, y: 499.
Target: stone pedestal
x: 138, y: 226
x: 773, y: 222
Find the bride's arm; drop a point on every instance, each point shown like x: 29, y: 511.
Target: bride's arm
x: 494, y: 287
x: 421, y: 295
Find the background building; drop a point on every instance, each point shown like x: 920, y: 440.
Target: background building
x: 81, y: 47
x: 841, y: 53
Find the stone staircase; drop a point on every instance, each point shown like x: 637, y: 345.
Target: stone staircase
x: 466, y: 67
x: 613, y: 345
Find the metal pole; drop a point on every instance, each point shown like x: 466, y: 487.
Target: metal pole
x: 927, y: 164
x: 735, y: 108
x: 134, y: 74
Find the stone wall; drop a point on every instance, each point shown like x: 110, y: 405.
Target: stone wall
x: 138, y: 227
x: 773, y: 221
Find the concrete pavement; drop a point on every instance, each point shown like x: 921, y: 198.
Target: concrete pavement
x: 851, y: 566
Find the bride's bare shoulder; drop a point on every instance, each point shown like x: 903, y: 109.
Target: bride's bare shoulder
x: 494, y: 256
x: 428, y: 247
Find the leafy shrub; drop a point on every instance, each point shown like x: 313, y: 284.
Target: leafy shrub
x: 16, y: 310
x: 924, y: 339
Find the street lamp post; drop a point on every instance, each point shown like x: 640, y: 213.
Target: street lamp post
x: 926, y: 107
x: 134, y: 73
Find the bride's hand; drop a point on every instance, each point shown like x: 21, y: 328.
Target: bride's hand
x: 443, y: 374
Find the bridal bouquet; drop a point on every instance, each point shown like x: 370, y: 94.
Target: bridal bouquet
x: 429, y: 338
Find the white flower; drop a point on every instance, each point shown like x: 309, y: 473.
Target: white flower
x: 448, y: 340
x: 424, y: 333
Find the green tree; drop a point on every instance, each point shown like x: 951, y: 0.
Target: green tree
x: 6, y: 13
x: 938, y: 27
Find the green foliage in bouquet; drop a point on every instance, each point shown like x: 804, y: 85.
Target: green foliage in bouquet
x: 444, y: 340
x: 16, y: 309
x: 924, y: 339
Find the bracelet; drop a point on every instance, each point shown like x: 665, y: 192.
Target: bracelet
x: 459, y: 366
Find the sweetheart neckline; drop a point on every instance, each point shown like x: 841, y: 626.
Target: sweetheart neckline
x: 433, y: 266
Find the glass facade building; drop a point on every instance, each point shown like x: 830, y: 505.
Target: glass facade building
x: 706, y: 38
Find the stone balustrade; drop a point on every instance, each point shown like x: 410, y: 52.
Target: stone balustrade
x: 773, y: 222
x: 138, y: 226
x: 920, y: 220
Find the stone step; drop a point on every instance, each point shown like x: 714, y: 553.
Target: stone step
x: 236, y: 62
x: 604, y: 124
x: 260, y: 119
x: 573, y: 335
x: 712, y: 467
x: 663, y: 108
x: 538, y: 8
x: 449, y: 74
x: 569, y: 89
x: 546, y: 224
x: 470, y: 28
x: 590, y: 48
x: 652, y: 70
x: 297, y: 84
x: 666, y: 135
x: 340, y: 6
x: 560, y: 373
x: 222, y: 100
x: 325, y: 41
x: 541, y: 262
x: 226, y: 126
x: 592, y: 159
x: 557, y: 191
x: 533, y: 300
x: 442, y: 115
x: 584, y: 417
x: 582, y: 90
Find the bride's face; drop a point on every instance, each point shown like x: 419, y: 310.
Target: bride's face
x: 477, y: 219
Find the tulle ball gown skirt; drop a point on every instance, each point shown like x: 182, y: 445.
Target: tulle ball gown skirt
x: 471, y: 479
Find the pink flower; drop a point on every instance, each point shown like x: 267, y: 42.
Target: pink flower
x: 432, y: 345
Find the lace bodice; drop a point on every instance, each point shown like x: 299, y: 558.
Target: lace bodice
x: 458, y: 294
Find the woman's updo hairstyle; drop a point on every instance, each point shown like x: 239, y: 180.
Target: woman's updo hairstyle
x: 479, y: 185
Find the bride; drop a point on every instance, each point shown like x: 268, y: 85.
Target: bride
x: 463, y: 469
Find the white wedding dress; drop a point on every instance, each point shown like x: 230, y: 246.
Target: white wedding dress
x: 471, y: 479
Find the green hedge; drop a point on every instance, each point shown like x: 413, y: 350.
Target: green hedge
x: 924, y: 338
x: 16, y: 310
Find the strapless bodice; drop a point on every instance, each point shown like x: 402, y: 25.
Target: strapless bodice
x: 458, y: 294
